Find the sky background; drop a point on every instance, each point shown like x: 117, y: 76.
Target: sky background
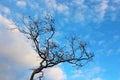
x: 95, y: 21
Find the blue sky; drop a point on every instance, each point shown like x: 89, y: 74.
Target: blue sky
x: 95, y: 21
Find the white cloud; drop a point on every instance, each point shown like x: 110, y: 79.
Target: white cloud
x: 21, y: 3
x: 81, y: 9
x: 61, y: 8
x: 114, y: 9
x: 86, y: 13
x: 55, y: 73
x: 4, y: 9
x: 14, y: 45
x: 34, y: 5
x: 16, y: 55
x: 89, y: 74
x: 101, y: 9
x: 78, y: 1
x: 80, y: 16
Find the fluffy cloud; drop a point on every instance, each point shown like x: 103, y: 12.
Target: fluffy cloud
x: 4, y: 9
x: 101, y: 9
x: 14, y: 45
x: 95, y: 12
x: 21, y: 3
x: 78, y: 1
x: 16, y: 55
x: 89, y: 74
x: 61, y: 8
x: 55, y: 73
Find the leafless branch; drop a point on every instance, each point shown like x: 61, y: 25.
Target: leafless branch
x: 48, y: 50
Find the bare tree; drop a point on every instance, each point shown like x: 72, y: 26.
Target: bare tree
x: 41, y: 32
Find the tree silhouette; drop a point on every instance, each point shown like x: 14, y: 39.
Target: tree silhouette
x: 41, y: 32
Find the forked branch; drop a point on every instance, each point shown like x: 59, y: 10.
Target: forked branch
x: 41, y: 34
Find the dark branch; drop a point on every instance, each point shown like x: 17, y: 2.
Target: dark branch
x: 48, y: 50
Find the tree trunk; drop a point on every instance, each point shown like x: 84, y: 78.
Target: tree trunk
x: 35, y: 72
x: 32, y: 76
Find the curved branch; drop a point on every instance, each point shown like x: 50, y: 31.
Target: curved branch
x: 50, y: 52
